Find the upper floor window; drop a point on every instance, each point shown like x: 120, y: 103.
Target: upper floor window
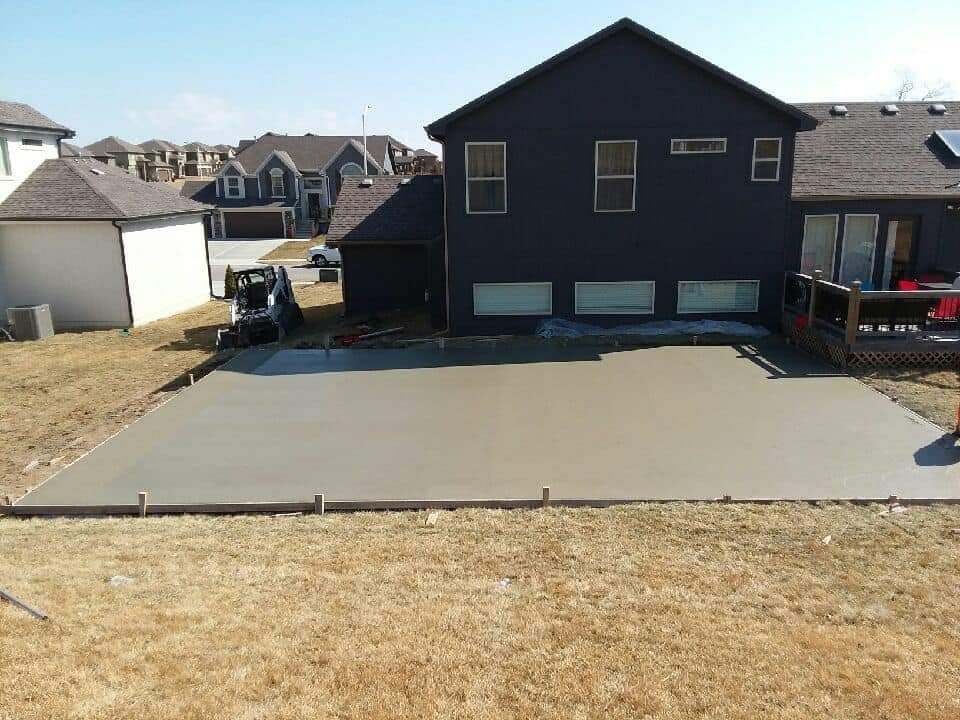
x: 766, y: 159
x: 233, y: 186
x: 277, y: 188
x: 4, y: 158
x: 615, y: 176
x: 697, y: 146
x: 31, y: 142
x: 350, y: 168
x: 486, y: 177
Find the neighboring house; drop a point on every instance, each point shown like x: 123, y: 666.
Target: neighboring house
x: 165, y: 154
x: 224, y: 153
x: 125, y: 155
x: 281, y: 182
x: 389, y: 230
x: 27, y: 138
x: 673, y: 201
x: 202, y: 160
x: 126, y: 252
x: 876, y: 192
x: 75, y: 151
x: 417, y: 162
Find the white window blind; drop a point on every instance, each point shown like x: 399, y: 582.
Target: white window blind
x: 614, y: 298
x: 512, y: 298
x: 717, y: 296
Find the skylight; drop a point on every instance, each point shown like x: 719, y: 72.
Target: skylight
x: 840, y: 110
x: 890, y: 109
x: 950, y: 138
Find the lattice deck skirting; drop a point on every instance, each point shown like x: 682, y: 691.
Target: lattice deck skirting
x: 837, y: 353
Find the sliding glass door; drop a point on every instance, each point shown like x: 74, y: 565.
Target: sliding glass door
x: 819, y: 244
x: 859, y: 248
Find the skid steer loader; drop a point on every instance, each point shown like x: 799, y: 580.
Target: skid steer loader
x: 264, y: 309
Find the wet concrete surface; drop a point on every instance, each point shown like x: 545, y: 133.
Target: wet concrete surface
x: 498, y: 422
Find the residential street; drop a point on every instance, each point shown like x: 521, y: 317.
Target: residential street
x: 240, y: 254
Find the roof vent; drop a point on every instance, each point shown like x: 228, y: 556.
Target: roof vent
x: 405, y: 181
x: 839, y: 111
x: 97, y: 172
x: 366, y: 182
x: 890, y: 109
x: 937, y: 109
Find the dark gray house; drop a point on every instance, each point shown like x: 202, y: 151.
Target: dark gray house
x: 673, y: 202
x: 876, y: 193
x: 279, y: 182
x: 389, y: 230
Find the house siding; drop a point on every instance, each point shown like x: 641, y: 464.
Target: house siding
x: 289, y: 180
x: 349, y: 154
x: 938, y: 240
x: 698, y: 217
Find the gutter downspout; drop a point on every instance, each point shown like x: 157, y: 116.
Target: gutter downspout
x: 123, y: 263
x: 446, y: 234
x: 206, y: 250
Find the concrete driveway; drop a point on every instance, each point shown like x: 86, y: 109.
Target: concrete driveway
x: 389, y: 425
x: 242, y: 254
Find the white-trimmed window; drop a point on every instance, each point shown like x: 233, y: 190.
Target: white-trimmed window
x: 698, y: 146
x: 5, y: 170
x: 819, y: 244
x: 532, y: 298
x: 614, y: 298
x: 859, y: 248
x: 717, y: 296
x: 766, y: 159
x: 31, y: 143
x: 486, y: 164
x: 232, y: 186
x: 615, y: 176
x: 277, y: 187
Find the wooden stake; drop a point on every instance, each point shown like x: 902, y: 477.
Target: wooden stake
x: 319, y: 504
x: 142, y: 502
x: 13, y: 600
x: 192, y: 381
x: 546, y: 496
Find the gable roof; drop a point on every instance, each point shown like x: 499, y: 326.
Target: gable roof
x: 71, y: 150
x: 156, y: 145
x: 199, y: 146
x: 310, y: 152
x: 437, y: 129
x: 392, y: 209
x: 872, y: 154
x: 201, y: 191
x: 223, y: 148
x: 18, y: 114
x: 73, y: 189
x: 112, y: 144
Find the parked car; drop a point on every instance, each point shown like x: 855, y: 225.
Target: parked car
x: 322, y: 256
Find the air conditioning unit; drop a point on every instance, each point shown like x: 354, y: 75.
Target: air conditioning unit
x: 31, y: 322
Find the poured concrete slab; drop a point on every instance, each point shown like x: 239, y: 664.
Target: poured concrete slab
x: 500, y: 422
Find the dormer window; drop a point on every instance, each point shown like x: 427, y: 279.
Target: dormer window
x: 233, y: 187
x: 277, y: 188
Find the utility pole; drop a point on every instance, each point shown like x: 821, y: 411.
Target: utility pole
x: 366, y: 109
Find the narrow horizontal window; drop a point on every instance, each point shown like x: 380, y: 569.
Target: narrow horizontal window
x: 615, y: 176
x: 614, y: 298
x: 698, y: 146
x: 486, y: 177
x: 513, y: 298
x: 766, y: 159
x: 717, y: 296
x: 31, y: 142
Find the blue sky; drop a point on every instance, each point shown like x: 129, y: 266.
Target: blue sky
x: 217, y: 72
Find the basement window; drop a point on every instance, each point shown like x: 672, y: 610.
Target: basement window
x: 717, y: 296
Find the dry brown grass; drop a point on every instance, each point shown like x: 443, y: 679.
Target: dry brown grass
x: 932, y: 393
x: 665, y: 611
x: 62, y: 396
x: 292, y: 249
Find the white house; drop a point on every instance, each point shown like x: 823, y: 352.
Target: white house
x: 27, y: 138
x: 102, y: 247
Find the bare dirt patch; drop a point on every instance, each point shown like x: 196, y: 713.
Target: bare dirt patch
x: 667, y: 611
x: 62, y: 396
x: 932, y: 393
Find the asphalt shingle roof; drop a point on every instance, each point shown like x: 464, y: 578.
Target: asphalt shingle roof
x: 394, y: 208
x: 112, y: 144
x: 72, y: 189
x: 157, y: 145
x: 22, y: 115
x: 309, y: 152
x: 202, y: 147
x: 71, y: 150
x: 869, y: 154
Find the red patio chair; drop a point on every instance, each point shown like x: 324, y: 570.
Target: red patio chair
x: 908, y: 285
x: 931, y: 277
x: 947, y: 309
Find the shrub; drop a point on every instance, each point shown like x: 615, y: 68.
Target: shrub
x: 229, y: 284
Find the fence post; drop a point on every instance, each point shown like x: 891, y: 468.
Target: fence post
x: 811, y: 313
x: 853, y: 313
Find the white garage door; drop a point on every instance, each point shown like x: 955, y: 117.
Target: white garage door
x: 512, y: 298
x: 614, y: 298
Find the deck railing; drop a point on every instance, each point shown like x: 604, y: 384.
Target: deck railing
x: 857, y: 316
